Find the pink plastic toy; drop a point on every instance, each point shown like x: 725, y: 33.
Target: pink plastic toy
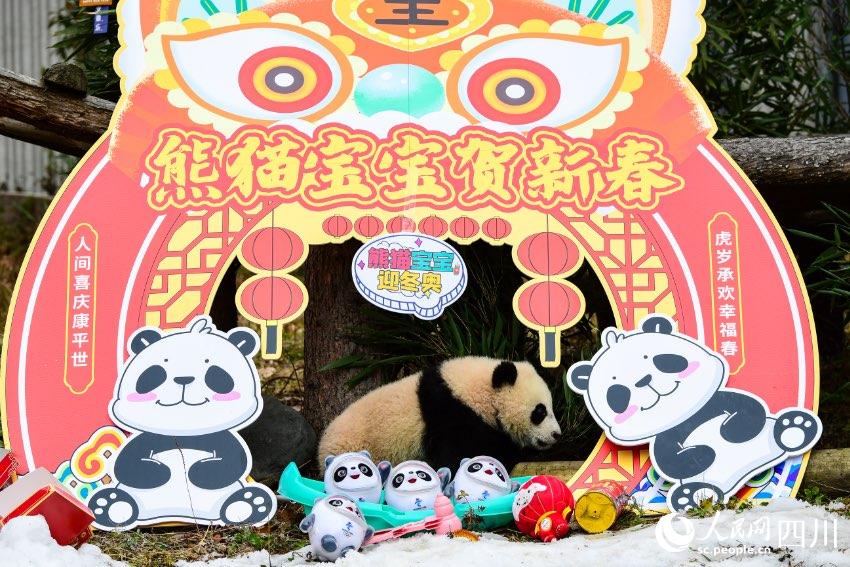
x: 443, y: 522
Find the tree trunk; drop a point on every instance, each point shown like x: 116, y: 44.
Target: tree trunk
x: 334, y: 307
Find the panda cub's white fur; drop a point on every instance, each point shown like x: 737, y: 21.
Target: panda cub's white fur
x: 462, y: 407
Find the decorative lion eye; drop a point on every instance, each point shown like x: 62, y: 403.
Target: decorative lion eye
x: 531, y: 80
x: 298, y: 74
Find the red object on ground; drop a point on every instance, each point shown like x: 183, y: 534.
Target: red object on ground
x: 8, y: 467
x: 543, y: 507
x: 40, y: 494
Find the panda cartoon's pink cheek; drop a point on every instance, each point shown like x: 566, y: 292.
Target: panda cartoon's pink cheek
x: 626, y: 415
x: 229, y: 397
x: 137, y: 397
x: 692, y: 367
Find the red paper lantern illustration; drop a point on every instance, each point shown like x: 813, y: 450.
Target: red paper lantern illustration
x: 464, y: 227
x: 337, y: 226
x: 272, y: 249
x: 548, y: 254
x: 433, y: 226
x: 270, y: 301
x: 497, y: 228
x: 543, y: 507
x: 401, y: 224
x: 369, y: 226
x: 549, y: 306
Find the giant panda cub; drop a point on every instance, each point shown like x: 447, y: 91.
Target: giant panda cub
x: 462, y: 407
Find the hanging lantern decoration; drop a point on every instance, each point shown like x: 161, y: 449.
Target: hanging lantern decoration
x: 548, y: 303
x: 464, y: 228
x: 337, y: 226
x: 548, y: 254
x: 369, y: 226
x: 497, y: 229
x: 401, y: 224
x: 550, y: 307
x: 433, y: 226
x: 271, y: 301
x: 272, y: 297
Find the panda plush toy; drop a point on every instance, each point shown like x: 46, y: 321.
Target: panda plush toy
x: 480, y: 478
x: 184, y: 395
x: 657, y: 386
x: 413, y: 485
x: 335, y: 526
x: 356, y: 476
x: 464, y: 406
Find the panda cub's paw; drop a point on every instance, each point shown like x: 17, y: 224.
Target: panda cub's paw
x: 692, y: 495
x: 796, y: 430
x: 113, y: 508
x: 247, y: 506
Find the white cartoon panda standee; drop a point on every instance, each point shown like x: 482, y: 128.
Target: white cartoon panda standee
x: 657, y: 386
x: 355, y: 475
x: 335, y: 526
x: 414, y: 485
x: 479, y: 479
x: 184, y: 395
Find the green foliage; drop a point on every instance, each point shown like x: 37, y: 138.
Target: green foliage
x: 75, y: 41
x: 769, y: 68
x: 815, y: 496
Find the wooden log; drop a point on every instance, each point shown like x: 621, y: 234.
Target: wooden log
x: 828, y: 470
x: 57, y: 120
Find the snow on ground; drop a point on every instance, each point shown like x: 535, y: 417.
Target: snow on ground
x: 787, y: 531
x: 26, y: 542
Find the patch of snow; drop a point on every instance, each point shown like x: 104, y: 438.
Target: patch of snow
x: 26, y: 542
x: 762, y: 536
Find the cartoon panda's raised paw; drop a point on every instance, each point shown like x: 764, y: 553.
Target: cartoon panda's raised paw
x: 247, y: 506
x: 113, y: 508
x: 796, y: 430
x: 692, y: 495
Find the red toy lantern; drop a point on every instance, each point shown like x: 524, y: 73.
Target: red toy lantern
x: 543, y: 507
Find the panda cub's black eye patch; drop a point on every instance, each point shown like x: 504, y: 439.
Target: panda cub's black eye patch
x: 340, y: 474
x: 539, y: 414
x: 218, y: 380
x: 365, y: 469
x: 397, y: 480
x: 151, y: 379
x: 474, y: 467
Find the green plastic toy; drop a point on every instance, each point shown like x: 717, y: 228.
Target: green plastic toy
x: 481, y: 516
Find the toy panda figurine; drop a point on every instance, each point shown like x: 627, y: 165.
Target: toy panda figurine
x: 480, y: 478
x: 413, y: 485
x: 185, y: 394
x: 657, y: 386
x: 464, y: 406
x: 356, y: 476
x: 335, y: 526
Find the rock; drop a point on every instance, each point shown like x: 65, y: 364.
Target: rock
x: 279, y: 436
x: 66, y: 77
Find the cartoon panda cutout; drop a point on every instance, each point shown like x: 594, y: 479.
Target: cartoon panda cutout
x: 413, y: 485
x: 355, y: 475
x: 480, y: 478
x: 184, y: 395
x: 657, y: 386
x: 335, y: 526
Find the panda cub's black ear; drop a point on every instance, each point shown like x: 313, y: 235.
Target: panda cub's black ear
x: 657, y: 324
x: 142, y: 339
x: 245, y: 341
x: 504, y: 375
